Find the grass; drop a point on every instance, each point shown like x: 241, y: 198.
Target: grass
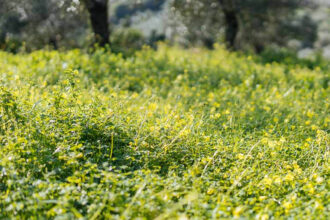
x: 187, y: 134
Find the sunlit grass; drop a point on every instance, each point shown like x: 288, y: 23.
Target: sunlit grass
x: 165, y: 134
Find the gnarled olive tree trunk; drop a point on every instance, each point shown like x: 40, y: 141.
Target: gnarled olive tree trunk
x: 98, y: 12
x: 230, y: 12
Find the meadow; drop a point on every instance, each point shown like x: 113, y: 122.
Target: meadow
x: 166, y: 134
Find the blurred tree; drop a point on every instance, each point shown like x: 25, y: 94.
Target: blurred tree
x: 201, y: 21
x: 244, y: 24
x: 241, y: 24
x: 230, y: 12
x: 53, y: 22
x: 39, y: 23
x: 98, y: 12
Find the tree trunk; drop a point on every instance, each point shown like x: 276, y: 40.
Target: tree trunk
x: 231, y: 22
x: 231, y: 28
x: 98, y: 12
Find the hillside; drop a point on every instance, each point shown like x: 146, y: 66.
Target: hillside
x: 189, y: 134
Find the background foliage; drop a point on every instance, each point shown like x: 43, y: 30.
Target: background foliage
x: 299, y: 25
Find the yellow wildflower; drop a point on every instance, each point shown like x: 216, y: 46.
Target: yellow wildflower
x: 289, y: 177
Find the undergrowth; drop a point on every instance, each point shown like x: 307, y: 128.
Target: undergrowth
x: 190, y: 134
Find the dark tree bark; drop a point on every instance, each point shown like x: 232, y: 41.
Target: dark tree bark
x: 231, y: 22
x: 98, y: 12
x: 231, y: 28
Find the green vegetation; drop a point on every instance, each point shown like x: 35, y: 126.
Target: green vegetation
x: 163, y: 134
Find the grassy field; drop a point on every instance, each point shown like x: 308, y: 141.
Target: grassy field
x: 167, y: 134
